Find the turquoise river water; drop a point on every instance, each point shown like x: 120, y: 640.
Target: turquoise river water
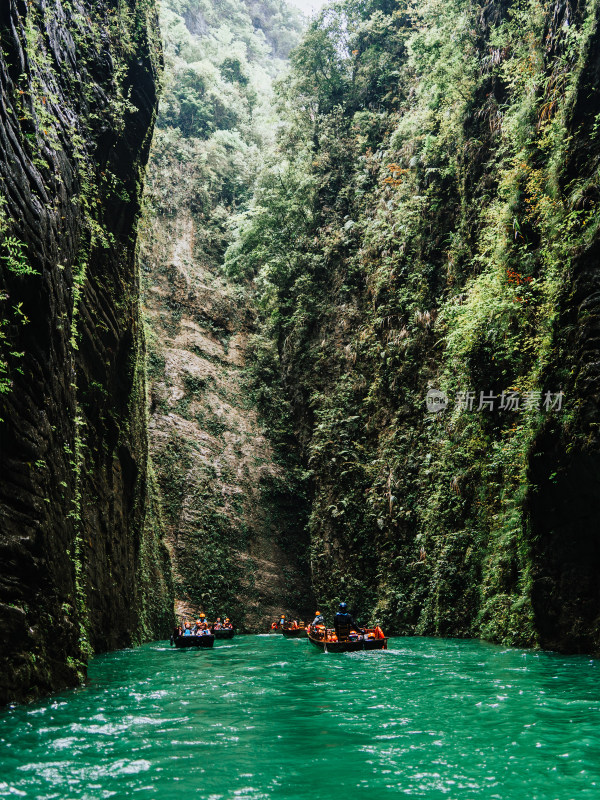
x: 264, y: 717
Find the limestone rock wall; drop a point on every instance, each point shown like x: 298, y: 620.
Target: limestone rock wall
x: 83, y: 564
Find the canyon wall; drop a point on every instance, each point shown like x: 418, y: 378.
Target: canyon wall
x: 430, y: 223
x: 84, y: 567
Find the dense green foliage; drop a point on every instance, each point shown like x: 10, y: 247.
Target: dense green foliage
x: 417, y: 228
x: 215, y: 116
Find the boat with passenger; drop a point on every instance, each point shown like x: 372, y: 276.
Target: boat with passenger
x: 294, y: 629
x: 223, y: 630
x: 203, y: 633
x: 346, y: 641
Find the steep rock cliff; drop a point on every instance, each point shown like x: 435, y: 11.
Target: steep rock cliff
x: 83, y: 565
x: 431, y: 222
x: 564, y: 506
x: 234, y: 523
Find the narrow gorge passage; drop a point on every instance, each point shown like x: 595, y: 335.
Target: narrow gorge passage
x: 299, y: 322
x: 294, y: 311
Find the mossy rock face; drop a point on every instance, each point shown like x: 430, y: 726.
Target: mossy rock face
x: 236, y: 524
x: 81, y: 537
x: 435, y: 226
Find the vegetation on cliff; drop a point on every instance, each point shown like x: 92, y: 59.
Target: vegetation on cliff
x: 84, y: 567
x: 429, y: 221
x: 412, y: 207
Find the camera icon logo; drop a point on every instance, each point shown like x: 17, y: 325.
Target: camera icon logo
x: 435, y: 400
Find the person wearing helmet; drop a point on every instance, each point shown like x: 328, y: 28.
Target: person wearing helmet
x: 343, y: 622
x: 227, y: 623
x: 318, y: 620
x: 200, y: 623
x: 282, y: 621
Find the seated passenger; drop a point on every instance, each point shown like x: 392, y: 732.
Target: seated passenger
x: 188, y: 629
x: 318, y: 620
x: 227, y: 623
x: 217, y: 625
x: 200, y: 622
x: 343, y: 623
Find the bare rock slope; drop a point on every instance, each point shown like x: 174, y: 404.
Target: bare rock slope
x: 230, y: 516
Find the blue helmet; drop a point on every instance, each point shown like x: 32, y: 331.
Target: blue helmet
x: 344, y: 607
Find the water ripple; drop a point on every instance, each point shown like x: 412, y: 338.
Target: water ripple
x: 263, y: 717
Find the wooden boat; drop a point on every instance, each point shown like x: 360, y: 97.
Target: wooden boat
x: 294, y: 633
x: 206, y: 640
x: 223, y: 633
x: 327, y: 641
